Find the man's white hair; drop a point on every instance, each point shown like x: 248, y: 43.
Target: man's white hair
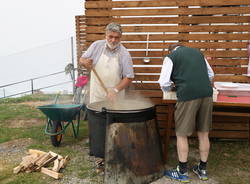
x: 114, y: 27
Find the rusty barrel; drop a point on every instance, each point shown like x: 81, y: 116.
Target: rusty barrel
x: 133, y: 153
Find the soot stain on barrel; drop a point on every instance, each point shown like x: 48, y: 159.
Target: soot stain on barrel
x: 119, y: 158
x: 129, y: 149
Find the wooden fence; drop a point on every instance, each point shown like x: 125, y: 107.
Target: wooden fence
x: 80, y: 35
x: 219, y: 28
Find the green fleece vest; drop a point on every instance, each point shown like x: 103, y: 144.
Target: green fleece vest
x: 190, y: 74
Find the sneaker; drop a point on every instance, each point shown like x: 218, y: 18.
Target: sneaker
x: 202, y: 174
x: 176, y: 175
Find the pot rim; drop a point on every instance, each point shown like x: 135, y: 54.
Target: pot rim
x: 106, y: 110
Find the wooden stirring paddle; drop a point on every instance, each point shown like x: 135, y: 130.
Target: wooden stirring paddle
x: 100, y: 80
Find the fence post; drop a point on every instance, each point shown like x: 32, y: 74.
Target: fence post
x: 3, y: 92
x: 32, y: 90
x: 72, y: 59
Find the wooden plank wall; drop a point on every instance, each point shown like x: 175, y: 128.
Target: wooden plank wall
x: 219, y: 28
x: 80, y: 25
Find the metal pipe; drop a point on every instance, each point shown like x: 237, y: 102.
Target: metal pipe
x: 36, y: 89
x: 72, y: 59
x: 11, y: 84
x: 147, y: 59
x: 32, y: 86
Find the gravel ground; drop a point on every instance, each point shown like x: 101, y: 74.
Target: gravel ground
x: 13, y: 151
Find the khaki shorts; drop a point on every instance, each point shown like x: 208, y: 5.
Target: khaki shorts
x: 193, y: 115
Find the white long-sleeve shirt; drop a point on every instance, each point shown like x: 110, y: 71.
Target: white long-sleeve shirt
x: 167, y: 67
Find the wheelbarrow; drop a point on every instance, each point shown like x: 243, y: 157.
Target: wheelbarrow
x: 59, y: 117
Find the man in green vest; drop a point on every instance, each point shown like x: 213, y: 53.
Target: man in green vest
x: 188, y: 70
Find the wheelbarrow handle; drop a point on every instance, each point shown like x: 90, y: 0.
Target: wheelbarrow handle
x: 56, y: 98
x: 82, y: 106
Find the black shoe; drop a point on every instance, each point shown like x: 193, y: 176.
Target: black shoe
x: 202, y: 174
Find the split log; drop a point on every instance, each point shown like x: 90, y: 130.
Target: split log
x: 55, y: 154
x: 56, y: 167
x: 26, y: 164
x: 47, y: 162
x: 17, y: 169
x: 38, y: 159
x: 51, y: 173
x: 43, y: 159
x: 63, y: 162
x: 33, y: 151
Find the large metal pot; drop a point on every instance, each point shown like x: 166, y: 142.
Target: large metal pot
x: 101, y: 113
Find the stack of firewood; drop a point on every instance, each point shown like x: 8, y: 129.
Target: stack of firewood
x: 37, y: 160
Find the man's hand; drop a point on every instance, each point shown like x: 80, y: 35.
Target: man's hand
x: 112, y: 94
x: 166, y: 88
x: 87, y: 63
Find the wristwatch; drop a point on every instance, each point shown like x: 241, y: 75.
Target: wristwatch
x: 116, y: 90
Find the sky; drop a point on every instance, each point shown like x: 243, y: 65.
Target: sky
x: 35, y: 38
x: 29, y: 23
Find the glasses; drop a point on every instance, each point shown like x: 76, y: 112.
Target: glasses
x: 113, y: 37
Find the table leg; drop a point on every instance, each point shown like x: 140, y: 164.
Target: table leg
x: 170, y: 119
x: 249, y: 131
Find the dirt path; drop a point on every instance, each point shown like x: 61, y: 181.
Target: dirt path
x: 24, y: 123
x: 36, y: 103
x: 194, y: 180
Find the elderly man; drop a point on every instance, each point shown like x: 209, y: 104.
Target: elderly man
x: 112, y: 62
x: 192, y: 77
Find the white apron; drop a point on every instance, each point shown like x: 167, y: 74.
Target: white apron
x: 108, y: 70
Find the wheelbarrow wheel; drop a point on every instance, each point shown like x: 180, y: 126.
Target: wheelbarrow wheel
x: 56, y: 139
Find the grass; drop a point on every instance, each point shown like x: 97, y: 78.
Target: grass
x: 18, y: 111
x: 9, y: 112
x: 24, y: 178
x: 28, y: 98
x: 228, y: 161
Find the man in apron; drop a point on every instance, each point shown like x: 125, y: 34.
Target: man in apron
x: 113, y: 64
